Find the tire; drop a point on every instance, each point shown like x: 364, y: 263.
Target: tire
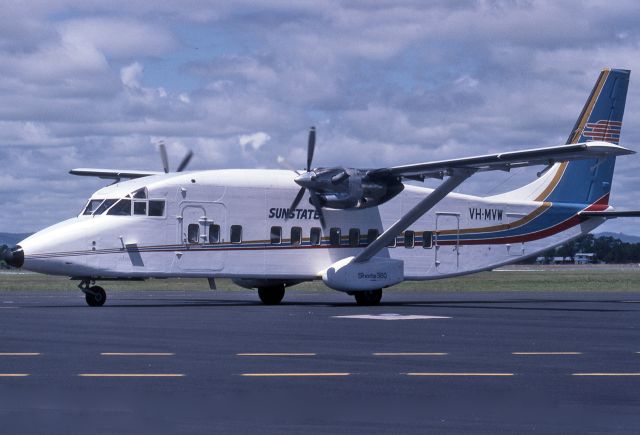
x: 96, y: 296
x: 271, y: 295
x: 368, y: 297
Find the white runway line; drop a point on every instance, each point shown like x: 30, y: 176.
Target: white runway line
x: 19, y: 353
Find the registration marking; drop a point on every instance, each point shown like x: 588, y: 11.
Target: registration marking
x: 390, y: 316
x: 19, y: 353
x: 277, y: 354
x: 273, y: 375
x: 131, y: 375
x: 137, y: 353
x: 410, y: 353
x: 546, y: 353
x: 456, y: 374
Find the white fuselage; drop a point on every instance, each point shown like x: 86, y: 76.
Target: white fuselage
x: 141, y: 246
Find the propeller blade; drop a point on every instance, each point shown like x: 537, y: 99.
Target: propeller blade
x: 185, y: 161
x: 311, y: 147
x: 164, y: 157
x: 296, y: 201
x: 315, y: 201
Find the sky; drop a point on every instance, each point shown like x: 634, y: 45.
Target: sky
x: 88, y: 83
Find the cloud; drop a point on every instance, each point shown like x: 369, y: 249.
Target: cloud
x: 255, y: 140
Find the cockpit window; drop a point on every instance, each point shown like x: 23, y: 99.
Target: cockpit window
x: 140, y: 193
x: 92, y: 205
x: 104, y: 206
x: 122, y: 208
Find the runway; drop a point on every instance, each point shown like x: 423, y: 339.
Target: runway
x: 482, y: 362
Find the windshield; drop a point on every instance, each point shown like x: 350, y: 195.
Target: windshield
x: 92, y: 205
x: 105, y: 205
x: 122, y: 208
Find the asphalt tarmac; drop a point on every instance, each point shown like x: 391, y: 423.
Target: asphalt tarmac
x: 220, y: 362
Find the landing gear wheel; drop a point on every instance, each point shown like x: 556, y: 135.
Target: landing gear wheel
x: 369, y: 297
x: 95, y: 296
x: 271, y: 295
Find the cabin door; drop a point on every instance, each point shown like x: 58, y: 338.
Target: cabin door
x: 447, y: 242
x: 202, y: 227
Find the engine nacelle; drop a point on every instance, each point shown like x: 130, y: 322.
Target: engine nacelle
x: 376, y: 273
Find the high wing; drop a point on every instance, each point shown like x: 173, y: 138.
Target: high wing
x: 505, y: 161
x: 112, y: 174
x: 458, y: 170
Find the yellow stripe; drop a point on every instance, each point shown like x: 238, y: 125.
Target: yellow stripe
x: 410, y: 353
x: 457, y: 374
x: 137, y: 353
x: 605, y: 374
x: 19, y: 353
x: 131, y: 375
x: 276, y: 354
x: 547, y: 353
x: 272, y: 375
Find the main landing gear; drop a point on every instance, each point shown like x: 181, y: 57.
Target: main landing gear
x: 94, y: 295
x: 271, y: 295
x: 368, y: 297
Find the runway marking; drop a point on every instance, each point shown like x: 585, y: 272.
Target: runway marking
x: 605, y: 374
x: 410, y: 353
x: 137, y: 353
x: 131, y: 375
x: 13, y: 375
x: 273, y: 375
x: 390, y: 316
x: 19, y: 353
x: 546, y: 353
x: 278, y: 354
x: 457, y: 374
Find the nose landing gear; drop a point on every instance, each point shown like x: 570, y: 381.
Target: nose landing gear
x: 94, y: 295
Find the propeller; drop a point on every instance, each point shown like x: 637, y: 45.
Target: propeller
x: 314, y: 199
x: 165, y: 158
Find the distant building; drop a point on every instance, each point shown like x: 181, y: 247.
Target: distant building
x: 578, y: 258
x: 584, y: 258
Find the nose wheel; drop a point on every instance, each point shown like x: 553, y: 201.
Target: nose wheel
x: 94, y: 295
x: 368, y: 297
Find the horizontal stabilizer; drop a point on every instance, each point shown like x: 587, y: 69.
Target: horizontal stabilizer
x: 610, y: 214
x: 112, y: 174
x: 506, y: 161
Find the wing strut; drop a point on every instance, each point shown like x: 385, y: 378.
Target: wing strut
x: 457, y: 176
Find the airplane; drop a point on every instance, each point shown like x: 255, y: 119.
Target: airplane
x: 357, y: 230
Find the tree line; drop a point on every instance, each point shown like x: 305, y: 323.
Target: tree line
x: 606, y: 249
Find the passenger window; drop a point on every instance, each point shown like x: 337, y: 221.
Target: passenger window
x: 409, y: 239
x: 427, y: 239
x: 315, y: 236
x: 276, y: 235
x: 122, y: 208
x: 140, y: 207
x: 354, y: 237
x: 296, y: 235
x: 156, y: 208
x: 214, y: 233
x: 236, y: 233
x: 193, y: 233
x: 372, y: 234
x: 334, y: 236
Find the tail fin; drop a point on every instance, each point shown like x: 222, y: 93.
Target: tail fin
x: 589, y: 181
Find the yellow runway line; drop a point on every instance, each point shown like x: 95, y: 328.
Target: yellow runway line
x: 277, y: 354
x: 137, y: 353
x: 443, y: 374
x: 13, y: 375
x: 131, y: 375
x: 410, y: 353
x: 546, y: 353
x: 19, y: 353
x: 274, y: 375
x: 605, y: 374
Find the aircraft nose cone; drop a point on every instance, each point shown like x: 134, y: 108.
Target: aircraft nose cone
x: 13, y: 256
